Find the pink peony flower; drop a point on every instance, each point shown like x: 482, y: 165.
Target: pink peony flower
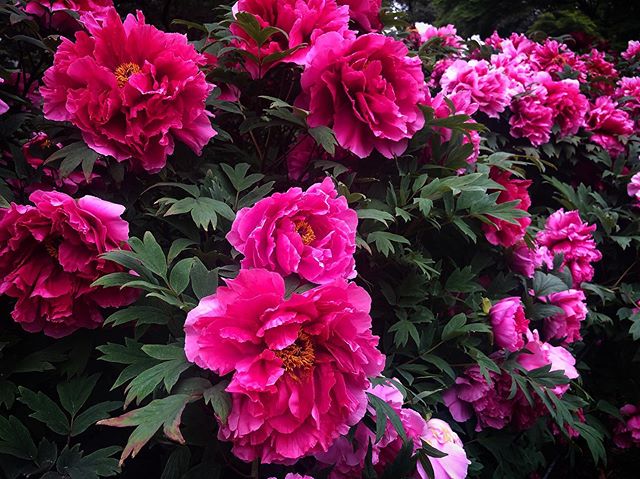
x: 628, y: 92
x: 537, y: 354
x: 366, y: 13
x: 299, y: 367
x: 367, y: 90
x: 632, y: 51
x: 627, y: 433
x: 304, y: 21
x: 293, y: 475
x: 454, y: 465
x: 568, y: 104
x: 3, y: 106
x: 565, y: 233
x: 448, y: 34
x: 608, y: 123
x: 601, y: 74
x: 531, y: 117
x: 509, y: 323
x: 50, y: 256
x: 525, y: 260
x: 311, y: 233
x: 54, y: 12
x: 566, y: 325
x: 554, y: 57
x: 131, y: 89
x: 348, y: 456
x: 471, y: 393
x: 489, y: 87
x: 502, y: 232
x: 633, y: 188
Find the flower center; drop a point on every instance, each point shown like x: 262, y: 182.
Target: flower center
x: 304, y: 229
x: 124, y: 71
x: 299, y: 357
x: 51, y: 246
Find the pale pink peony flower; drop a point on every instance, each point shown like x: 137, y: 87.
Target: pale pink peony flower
x: 627, y: 433
x: 448, y: 34
x: 348, y: 456
x: 632, y: 51
x: 304, y: 21
x: 50, y: 256
x: 367, y: 90
x: 633, y: 188
x: 509, y: 323
x: 608, y: 123
x: 132, y: 90
x: 502, y: 232
x: 439, y: 435
x: 311, y: 233
x: 566, y: 325
x: 537, y: 354
x: 299, y: 367
x: 366, y: 13
x: 489, y: 87
x: 531, y: 117
x: 565, y: 233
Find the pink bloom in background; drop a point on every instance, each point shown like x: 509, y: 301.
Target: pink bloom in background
x: 53, y: 12
x: 367, y: 90
x: 3, y: 106
x: 628, y: 92
x: 509, y: 323
x: 502, y: 232
x: 49, y: 257
x: 471, y: 393
x: 537, y: 354
x: 632, y: 51
x: 304, y: 21
x: 601, y: 73
x: 633, y: 188
x: 566, y: 325
x: 489, y: 87
x: 454, y: 465
x: 311, y: 233
x: 531, y: 117
x: 607, y: 123
x: 293, y: 475
x: 448, y: 34
x: 525, y: 260
x: 569, y: 105
x: 627, y: 433
x: 565, y: 233
x: 299, y: 367
x: 132, y: 90
x: 554, y: 57
x: 365, y: 13
x: 348, y: 456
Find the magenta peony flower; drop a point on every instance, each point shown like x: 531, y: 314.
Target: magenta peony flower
x: 531, y: 117
x: 502, y: 232
x: 304, y: 21
x: 454, y: 465
x: 566, y: 234
x: 525, y: 260
x: 53, y: 13
x: 607, y: 123
x: 348, y: 456
x: 293, y: 475
x: 471, y: 393
x: 509, y: 323
x: 554, y: 57
x: 366, y: 13
x: 628, y: 92
x: 299, y: 367
x: 368, y: 90
x: 627, y: 434
x: 633, y: 188
x: 448, y: 34
x: 538, y: 354
x: 566, y: 325
x: 569, y: 105
x: 3, y: 106
x: 632, y: 52
x: 311, y: 233
x: 489, y: 87
x: 132, y: 90
x: 602, y: 74
x: 49, y: 256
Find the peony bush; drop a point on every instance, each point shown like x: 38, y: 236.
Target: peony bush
x: 305, y: 239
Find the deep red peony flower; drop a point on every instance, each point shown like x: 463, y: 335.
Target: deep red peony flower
x: 49, y: 256
x: 131, y: 89
x: 368, y: 90
x: 502, y: 232
x: 304, y: 21
x: 299, y: 366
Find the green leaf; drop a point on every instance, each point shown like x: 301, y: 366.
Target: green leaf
x: 203, y: 281
x: 177, y: 464
x: 139, y: 314
x: 15, y: 439
x: 152, y: 256
x: 74, y: 465
x: 180, y: 273
x: 544, y: 284
x: 324, y: 137
x: 165, y: 413
x: 177, y: 247
x: 454, y: 327
x: 73, y: 394
x: 45, y: 410
x: 219, y: 399
x: 384, y: 241
x: 462, y: 281
x: 376, y: 215
x: 92, y: 415
x: 383, y: 412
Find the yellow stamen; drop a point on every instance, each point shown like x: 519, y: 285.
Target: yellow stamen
x: 299, y: 357
x: 51, y: 248
x: 124, y: 71
x: 304, y: 229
